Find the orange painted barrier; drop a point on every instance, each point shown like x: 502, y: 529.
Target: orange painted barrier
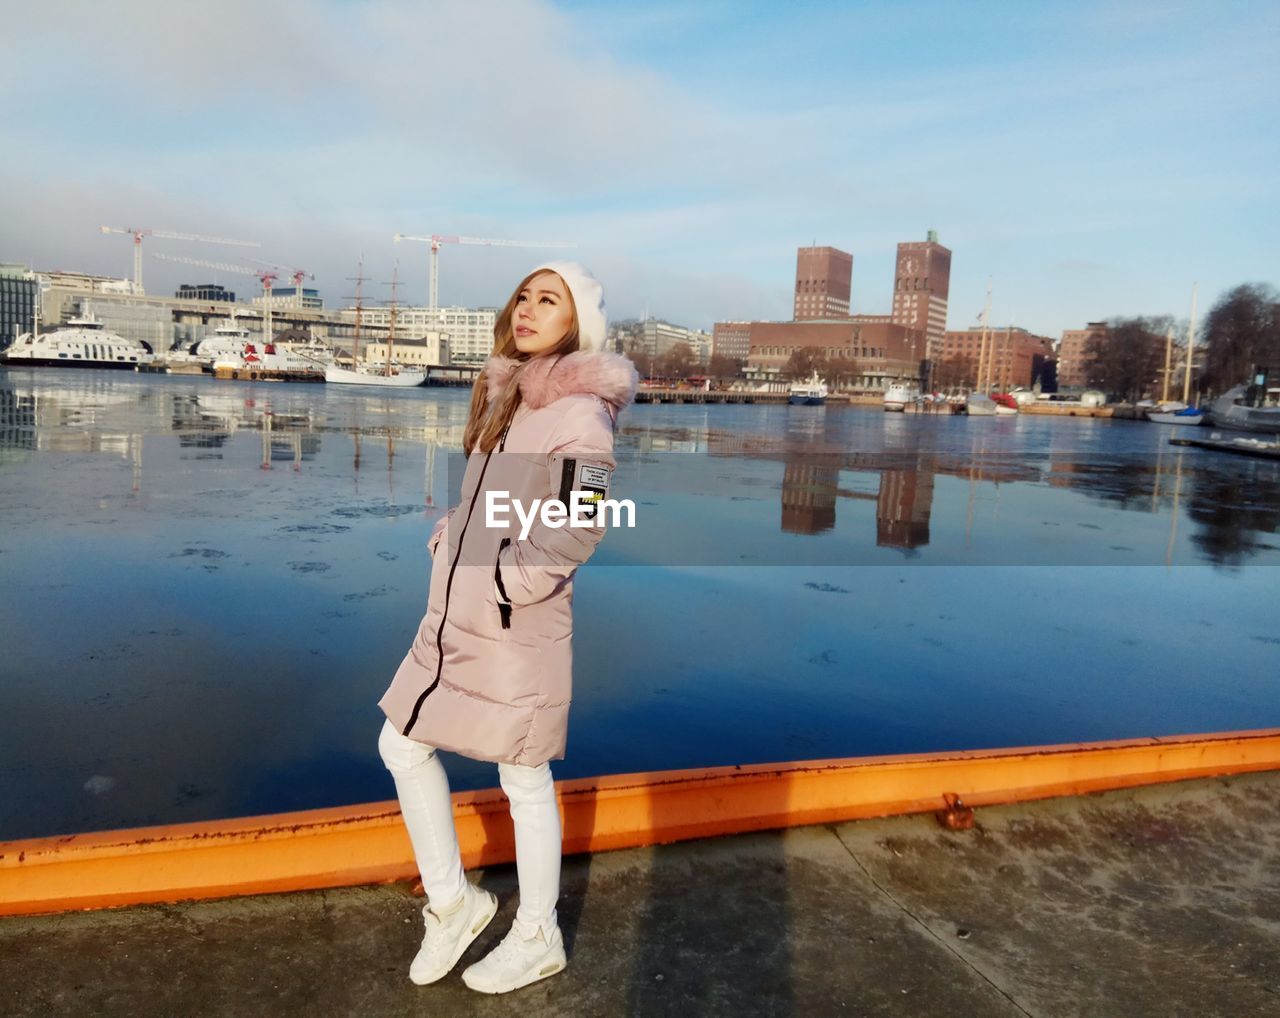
x: 367, y: 843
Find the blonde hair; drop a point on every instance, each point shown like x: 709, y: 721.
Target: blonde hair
x: 488, y: 420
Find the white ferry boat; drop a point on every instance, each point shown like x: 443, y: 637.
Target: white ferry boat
x: 899, y: 395
x: 232, y: 351
x: 81, y: 343
x: 812, y: 392
x: 226, y: 346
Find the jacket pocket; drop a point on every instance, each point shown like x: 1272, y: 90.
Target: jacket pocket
x: 504, y: 602
x: 437, y: 534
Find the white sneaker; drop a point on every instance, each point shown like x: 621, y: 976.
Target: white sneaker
x: 526, y: 954
x: 450, y: 933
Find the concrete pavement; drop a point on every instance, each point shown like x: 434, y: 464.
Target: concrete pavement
x: 1156, y: 901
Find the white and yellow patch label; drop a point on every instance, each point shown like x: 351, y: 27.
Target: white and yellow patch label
x: 593, y: 476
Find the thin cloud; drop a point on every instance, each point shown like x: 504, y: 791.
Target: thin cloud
x: 691, y: 165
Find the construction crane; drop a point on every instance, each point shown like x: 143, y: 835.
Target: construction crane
x: 298, y: 275
x: 436, y: 239
x: 267, y: 276
x: 138, y: 234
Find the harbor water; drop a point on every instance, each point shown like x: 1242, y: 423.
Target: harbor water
x: 205, y: 587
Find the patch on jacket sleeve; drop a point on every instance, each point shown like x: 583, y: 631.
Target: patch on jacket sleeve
x: 584, y: 484
x: 596, y: 477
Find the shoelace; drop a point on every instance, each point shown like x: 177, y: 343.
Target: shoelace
x: 435, y: 930
x: 511, y: 945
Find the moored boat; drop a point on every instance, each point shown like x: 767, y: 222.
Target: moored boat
x: 812, y: 392
x: 1089, y: 399
x: 1179, y: 414
x: 81, y: 343
x: 389, y: 372
x: 977, y: 404
x: 898, y: 395
x: 397, y: 376
x: 226, y: 347
x: 232, y: 352
x: 1235, y: 410
x: 1006, y: 405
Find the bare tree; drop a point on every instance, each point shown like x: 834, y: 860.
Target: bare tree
x: 641, y: 358
x: 678, y: 362
x: 959, y: 371
x: 842, y: 370
x: 1127, y: 360
x: 724, y: 367
x: 1242, y: 332
x: 804, y: 361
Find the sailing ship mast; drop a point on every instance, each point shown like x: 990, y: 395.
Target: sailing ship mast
x: 391, y: 334
x: 1191, y: 342
x: 983, y: 357
x: 359, y: 281
x: 1168, y: 362
x: 1006, y: 359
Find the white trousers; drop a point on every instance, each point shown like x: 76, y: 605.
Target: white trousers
x: 427, y: 808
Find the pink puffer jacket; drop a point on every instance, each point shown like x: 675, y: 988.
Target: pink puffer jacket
x: 489, y: 674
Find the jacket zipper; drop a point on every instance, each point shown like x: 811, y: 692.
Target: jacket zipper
x: 504, y: 606
x: 448, y: 588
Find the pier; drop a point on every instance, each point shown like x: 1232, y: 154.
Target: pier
x: 1138, y: 902
x: 673, y: 395
x: 1048, y: 409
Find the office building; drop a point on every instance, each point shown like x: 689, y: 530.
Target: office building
x: 19, y: 295
x: 1075, y: 354
x: 656, y: 338
x: 428, y: 352
x: 205, y: 291
x: 469, y: 331
x: 731, y: 339
x: 824, y: 282
x: 882, y: 352
x: 288, y: 297
x: 1013, y: 357
x: 922, y: 282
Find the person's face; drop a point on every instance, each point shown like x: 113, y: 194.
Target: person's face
x: 543, y: 314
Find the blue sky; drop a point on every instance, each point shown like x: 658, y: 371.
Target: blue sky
x: 1091, y: 159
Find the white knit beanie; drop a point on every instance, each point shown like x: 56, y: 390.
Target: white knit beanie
x: 588, y: 301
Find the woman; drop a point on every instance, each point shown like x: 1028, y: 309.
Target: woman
x: 488, y: 675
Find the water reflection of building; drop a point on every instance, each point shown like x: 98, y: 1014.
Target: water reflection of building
x: 49, y: 421
x: 17, y: 420
x: 903, y: 508
x: 904, y: 497
x: 808, y: 497
x: 1233, y: 504
x: 88, y: 412
x: 904, y: 473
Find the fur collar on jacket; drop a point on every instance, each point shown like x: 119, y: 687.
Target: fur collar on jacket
x: 543, y: 380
